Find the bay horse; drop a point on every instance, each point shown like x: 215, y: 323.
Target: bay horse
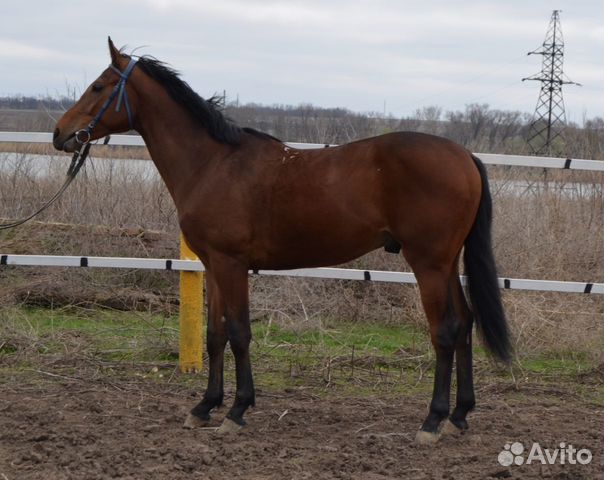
x: 246, y: 201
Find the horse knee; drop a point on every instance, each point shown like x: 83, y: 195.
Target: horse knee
x: 215, y: 343
x: 240, y: 339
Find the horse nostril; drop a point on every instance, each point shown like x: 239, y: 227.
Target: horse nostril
x: 55, y: 134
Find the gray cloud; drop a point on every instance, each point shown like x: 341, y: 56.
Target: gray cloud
x: 350, y: 54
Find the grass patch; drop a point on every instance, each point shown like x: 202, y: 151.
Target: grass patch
x: 351, y: 356
x: 355, y: 358
x: 553, y: 365
x: 366, y: 338
x: 99, y: 322
x: 102, y: 334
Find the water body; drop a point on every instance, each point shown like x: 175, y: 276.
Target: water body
x: 105, y: 169
x: 45, y: 166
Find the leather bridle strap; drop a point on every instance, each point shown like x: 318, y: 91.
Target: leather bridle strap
x: 118, y: 91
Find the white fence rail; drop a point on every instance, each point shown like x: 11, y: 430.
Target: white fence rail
x: 333, y: 273
x: 330, y: 273
x: 488, y: 158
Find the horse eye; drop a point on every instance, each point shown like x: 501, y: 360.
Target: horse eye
x: 97, y: 87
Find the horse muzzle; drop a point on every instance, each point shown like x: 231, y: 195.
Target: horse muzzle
x: 67, y: 143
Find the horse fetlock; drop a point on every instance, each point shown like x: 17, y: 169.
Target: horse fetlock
x: 212, y: 400
x: 206, y: 405
x: 464, y: 405
x: 458, y: 417
x: 244, y: 398
x: 439, y: 410
x: 429, y: 434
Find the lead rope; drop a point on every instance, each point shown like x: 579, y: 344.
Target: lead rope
x: 78, y: 159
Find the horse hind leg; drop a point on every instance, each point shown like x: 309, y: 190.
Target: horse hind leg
x: 437, y: 300
x: 465, y: 398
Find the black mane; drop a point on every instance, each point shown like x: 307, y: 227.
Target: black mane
x: 207, y: 112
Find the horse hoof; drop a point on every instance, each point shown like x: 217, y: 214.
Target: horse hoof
x: 426, y: 438
x: 228, y: 426
x: 193, y: 421
x: 449, y: 428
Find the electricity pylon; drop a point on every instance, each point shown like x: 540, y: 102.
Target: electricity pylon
x: 549, y: 119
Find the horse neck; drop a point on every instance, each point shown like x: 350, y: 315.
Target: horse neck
x: 178, y: 145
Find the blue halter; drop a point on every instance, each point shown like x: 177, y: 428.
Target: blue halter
x: 118, y: 91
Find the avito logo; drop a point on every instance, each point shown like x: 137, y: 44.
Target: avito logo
x: 513, y: 454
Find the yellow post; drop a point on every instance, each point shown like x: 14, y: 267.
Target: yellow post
x: 192, y: 317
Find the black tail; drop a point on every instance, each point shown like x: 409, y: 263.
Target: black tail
x: 482, y: 276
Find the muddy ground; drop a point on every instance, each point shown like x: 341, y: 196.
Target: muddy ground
x: 55, y: 426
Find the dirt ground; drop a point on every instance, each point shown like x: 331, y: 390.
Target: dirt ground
x: 61, y: 427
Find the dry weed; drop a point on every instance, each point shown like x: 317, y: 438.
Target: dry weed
x: 546, y: 227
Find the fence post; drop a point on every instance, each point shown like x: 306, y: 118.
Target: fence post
x: 192, y: 317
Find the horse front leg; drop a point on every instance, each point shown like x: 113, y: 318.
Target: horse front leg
x: 232, y: 280
x: 216, y: 342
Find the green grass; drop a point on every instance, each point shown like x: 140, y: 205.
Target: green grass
x: 366, y: 338
x: 101, y: 322
x: 359, y: 357
x: 106, y: 334
x: 552, y: 364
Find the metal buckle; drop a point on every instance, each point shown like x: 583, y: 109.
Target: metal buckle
x: 84, y: 131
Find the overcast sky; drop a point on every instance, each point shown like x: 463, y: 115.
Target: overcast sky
x: 354, y: 54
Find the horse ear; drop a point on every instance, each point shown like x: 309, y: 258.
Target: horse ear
x: 114, y: 52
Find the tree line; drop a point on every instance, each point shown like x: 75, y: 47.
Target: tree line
x: 478, y: 127
x: 22, y: 102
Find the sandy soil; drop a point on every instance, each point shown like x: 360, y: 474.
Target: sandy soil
x: 58, y: 427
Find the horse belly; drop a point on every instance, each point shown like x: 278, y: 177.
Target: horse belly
x: 316, y: 252
x: 328, y: 236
